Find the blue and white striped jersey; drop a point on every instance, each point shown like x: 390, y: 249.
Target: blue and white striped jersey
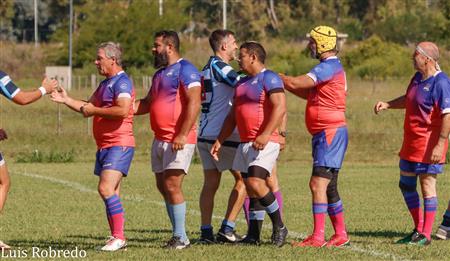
x: 7, y: 87
x: 219, y: 82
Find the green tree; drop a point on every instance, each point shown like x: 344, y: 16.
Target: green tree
x: 6, y: 15
x: 131, y: 23
x: 375, y: 59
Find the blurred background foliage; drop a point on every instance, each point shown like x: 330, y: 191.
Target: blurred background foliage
x: 381, y: 33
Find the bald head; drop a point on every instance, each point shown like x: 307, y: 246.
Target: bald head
x: 430, y: 50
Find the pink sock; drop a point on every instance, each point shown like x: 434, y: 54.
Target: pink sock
x: 339, y: 224
x: 116, y: 216
x: 111, y: 227
x: 336, y: 213
x: 118, y: 221
x: 430, y: 206
x: 279, y: 198
x: 319, y: 213
x: 417, y: 215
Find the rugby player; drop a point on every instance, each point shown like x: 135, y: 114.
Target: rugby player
x: 258, y: 109
x: 111, y: 105
x: 173, y: 102
x: 324, y: 88
x: 425, y: 138
x: 219, y: 82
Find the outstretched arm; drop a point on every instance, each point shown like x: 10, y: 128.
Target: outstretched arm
x: 27, y: 97
x: 118, y: 111
x: 61, y: 96
x: 299, y: 85
x: 397, y: 103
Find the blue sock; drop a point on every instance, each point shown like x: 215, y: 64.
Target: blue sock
x: 227, y: 226
x: 179, y: 219
x: 169, y: 212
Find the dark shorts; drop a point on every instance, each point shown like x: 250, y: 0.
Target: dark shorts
x: 420, y: 168
x: 115, y: 158
x: 329, y: 147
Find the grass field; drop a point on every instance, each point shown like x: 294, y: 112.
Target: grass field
x: 56, y: 204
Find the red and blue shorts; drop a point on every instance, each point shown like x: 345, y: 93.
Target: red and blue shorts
x: 115, y: 158
x: 329, y: 147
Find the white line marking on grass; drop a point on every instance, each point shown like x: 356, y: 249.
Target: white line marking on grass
x: 292, y: 234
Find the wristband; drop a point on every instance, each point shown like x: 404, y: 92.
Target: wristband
x: 283, y: 133
x: 42, y: 90
x: 442, y: 136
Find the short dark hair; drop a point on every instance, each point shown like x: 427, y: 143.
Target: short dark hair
x: 169, y: 37
x: 216, y: 38
x: 255, y: 48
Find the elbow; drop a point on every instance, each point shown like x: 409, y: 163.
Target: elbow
x: 21, y: 101
x: 123, y: 115
x: 120, y: 114
x: 125, y: 111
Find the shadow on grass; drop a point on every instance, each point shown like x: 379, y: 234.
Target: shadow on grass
x: 382, y: 233
x: 149, y: 231
x: 60, y: 244
x: 131, y: 241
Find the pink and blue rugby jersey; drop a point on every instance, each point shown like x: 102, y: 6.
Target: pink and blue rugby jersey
x: 325, y: 108
x: 252, y: 104
x: 114, y: 132
x: 426, y: 102
x: 168, y: 99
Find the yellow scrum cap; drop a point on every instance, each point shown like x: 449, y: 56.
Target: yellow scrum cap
x: 325, y: 38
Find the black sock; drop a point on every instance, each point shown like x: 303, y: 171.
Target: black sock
x: 269, y: 202
x: 256, y: 219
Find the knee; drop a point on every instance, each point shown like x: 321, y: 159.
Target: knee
x: 407, y: 184
x: 6, y: 184
x: 273, y: 184
x: 315, y: 186
x: 428, y: 190
x: 332, y: 193
x: 210, y: 186
x: 253, y: 183
x: 105, y: 191
x: 170, y: 188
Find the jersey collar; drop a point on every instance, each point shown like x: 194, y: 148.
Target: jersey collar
x: 331, y: 57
